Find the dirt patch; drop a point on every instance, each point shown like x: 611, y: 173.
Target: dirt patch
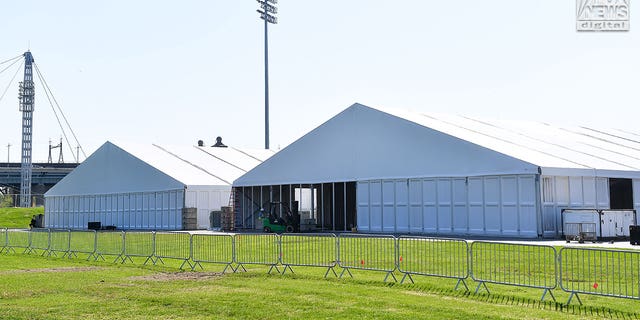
x: 168, y: 276
x: 53, y: 270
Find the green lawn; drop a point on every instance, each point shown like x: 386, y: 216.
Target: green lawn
x: 18, y: 217
x: 33, y: 287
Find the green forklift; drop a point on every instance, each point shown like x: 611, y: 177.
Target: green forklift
x: 272, y: 221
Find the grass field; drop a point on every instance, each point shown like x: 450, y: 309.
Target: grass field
x: 18, y: 217
x: 63, y: 288
x: 35, y: 287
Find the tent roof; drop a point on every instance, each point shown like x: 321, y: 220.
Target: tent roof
x: 133, y: 167
x: 546, y: 145
x: 373, y: 143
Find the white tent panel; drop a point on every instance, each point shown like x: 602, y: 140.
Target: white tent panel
x: 363, y: 197
x: 153, y: 210
x: 492, y: 205
x: 402, y: 205
x: 561, y: 192
x: 444, y: 207
x: 415, y: 206
x: 388, y: 209
x: 430, y: 211
x: 375, y: 209
x: 460, y: 215
x: 510, y: 206
x: 475, y: 189
x: 528, y: 215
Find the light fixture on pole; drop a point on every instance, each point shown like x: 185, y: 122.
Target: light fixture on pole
x: 267, y: 11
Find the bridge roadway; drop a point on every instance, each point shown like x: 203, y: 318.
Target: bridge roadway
x: 43, y: 175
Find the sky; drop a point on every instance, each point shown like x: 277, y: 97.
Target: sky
x: 174, y: 72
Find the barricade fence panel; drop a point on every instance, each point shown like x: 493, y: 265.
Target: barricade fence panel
x: 604, y: 272
x: 18, y: 239
x: 39, y: 240
x: 4, y: 242
x: 59, y: 240
x: 367, y: 252
x: 514, y: 264
x: 315, y: 250
x: 173, y: 245
x: 209, y: 248
x: 109, y: 243
x: 138, y: 244
x: 83, y: 242
x: 447, y: 258
x: 256, y: 249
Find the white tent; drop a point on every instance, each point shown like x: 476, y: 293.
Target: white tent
x: 400, y: 171
x: 147, y: 186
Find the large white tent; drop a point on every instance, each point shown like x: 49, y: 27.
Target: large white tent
x: 404, y: 172
x: 147, y: 186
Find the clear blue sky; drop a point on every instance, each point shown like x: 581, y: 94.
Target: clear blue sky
x: 177, y: 71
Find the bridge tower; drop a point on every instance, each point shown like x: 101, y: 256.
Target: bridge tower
x: 26, y: 97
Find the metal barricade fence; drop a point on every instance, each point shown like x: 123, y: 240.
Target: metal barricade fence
x: 83, y: 242
x: 18, y: 238
x: 520, y: 265
x: 173, y: 245
x: 4, y: 242
x: 261, y: 249
x: 139, y: 244
x: 212, y: 248
x: 603, y: 272
x: 436, y: 257
x: 367, y: 252
x: 59, y: 241
x: 311, y: 250
x: 39, y: 239
x: 109, y: 243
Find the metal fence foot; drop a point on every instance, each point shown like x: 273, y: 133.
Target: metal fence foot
x: 227, y: 266
x: 405, y: 276
x: 184, y: 262
x: 343, y: 271
x: 125, y: 258
x: 392, y: 275
x: 464, y: 283
x: 197, y: 264
x: 273, y: 266
x: 482, y: 284
x: 550, y: 293
x: 286, y: 266
x: 330, y: 269
x: 571, y: 297
x: 238, y: 267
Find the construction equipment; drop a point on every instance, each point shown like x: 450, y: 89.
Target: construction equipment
x: 272, y: 221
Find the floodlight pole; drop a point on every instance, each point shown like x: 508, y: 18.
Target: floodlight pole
x: 268, y: 8
x: 266, y: 84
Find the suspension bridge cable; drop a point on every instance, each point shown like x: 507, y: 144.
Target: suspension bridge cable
x: 56, y: 114
x: 9, y: 66
x: 18, y: 57
x: 11, y: 82
x: 61, y: 112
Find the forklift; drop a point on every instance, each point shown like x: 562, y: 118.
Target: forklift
x: 273, y: 222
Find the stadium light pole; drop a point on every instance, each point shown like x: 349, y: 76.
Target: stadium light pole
x: 267, y: 11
